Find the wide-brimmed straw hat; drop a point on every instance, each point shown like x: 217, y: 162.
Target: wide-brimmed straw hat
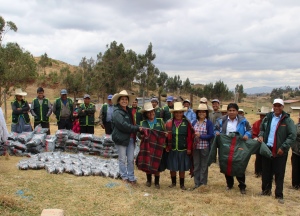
x: 224, y: 108
x: 147, y: 107
x: 263, y: 111
x: 178, y: 107
x: 19, y: 91
x: 201, y: 107
x: 123, y: 93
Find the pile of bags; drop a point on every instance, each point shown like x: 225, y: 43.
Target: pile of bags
x: 38, y: 141
x: 76, y: 164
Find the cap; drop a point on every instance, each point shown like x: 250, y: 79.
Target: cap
x: 187, y: 100
x: 109, y: 97
x: 63, y: 91
x: 170, y: 98
x: 154, y: 100
x: 39, y: 89
x: 215, y: 100
x: 240, y: 110
x: 204, y: 100
x: 86, y: 96
x: 278, y: 100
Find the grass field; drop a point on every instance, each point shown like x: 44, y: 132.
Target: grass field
x: 29, y: 192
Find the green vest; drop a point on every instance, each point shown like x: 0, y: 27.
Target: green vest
x: 15, y: 117
x: 138, y: 116
x: 58, y: 105
x: 88, y: 120
x: 104, y: 112
x: 158, y: 112
x: 179, y: 136
x: 167, y: 114
x: 158, y: 126
x: 40, y: 110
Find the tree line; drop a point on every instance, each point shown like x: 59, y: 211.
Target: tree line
x: 115, y: 69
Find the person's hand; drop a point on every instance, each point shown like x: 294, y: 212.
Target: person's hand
x: 217, y: 133
x: 140, y: 129
x: 82, y: 111
x: 245, y: 137
x: 188, y: 152
x: 280, y: 152
x: 19, y: 108
x: 197, y: 134
x: 260, y: 139
x: 166, y: 134
x: 167, y: 149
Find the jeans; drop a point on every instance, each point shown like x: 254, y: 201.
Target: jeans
x: 126, y: 161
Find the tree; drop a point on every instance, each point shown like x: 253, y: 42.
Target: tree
x: 161, y: 82
x: 239, y: 92
x: 220, y: 90
x: 17, y: 69
x: 276, y: 93
x: 187, y: 86
x: 5, y: 27
x: 45, y: 62
x: 72, y: 81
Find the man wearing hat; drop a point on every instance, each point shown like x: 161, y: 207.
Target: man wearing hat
x: 241, y: 112
x: 86, y: 113
x: 278, y: 131
x: 41, y: 109
x: 203, y: 100
x: 216, y: 113
x: 189, y: 114
x: 166, y: 108
x: 106, y: 115
x: 159, y: 113
x: 255, y: 131
x: 20, y: 117
x: 63, y: 110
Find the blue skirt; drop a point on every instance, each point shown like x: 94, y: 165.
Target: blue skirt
x: 21, y: 126
x: 178, y: 161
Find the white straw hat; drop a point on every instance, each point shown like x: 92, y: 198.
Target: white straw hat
x: 178, y: 107
x: 147, y: 107
x: 123, y: 93
x: 19, y: 91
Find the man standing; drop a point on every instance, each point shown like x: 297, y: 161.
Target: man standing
x: 216, y: 113
x: 86, y: 113
x: 135, y: 110
x: 189, y: 114
x: 296, y: 159
x: 203, y: 100
x: 106, y: 115
x: 232, y: 122
x: 278, y: 131
x: 166, y: 108
x: 63, y: 110
x: 41, y: 109
x: 158, y: 111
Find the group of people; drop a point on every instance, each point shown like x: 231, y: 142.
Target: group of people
x: 187, y: 134
x: 41, y: 109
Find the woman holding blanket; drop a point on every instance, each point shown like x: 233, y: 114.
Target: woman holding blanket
x: 204, y: 132
x: 180, y: 140
x: 157, y: 124
x: 123, y: 134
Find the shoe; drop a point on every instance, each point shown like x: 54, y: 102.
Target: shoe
x: 265, y: 193
x: 195, y: 187
x: 172, y: 185
x: 182, y: 187
x: 243, y: 191
x: 228, y: 188
x: 280, y: 200
x: 148, y: 184
x: 125, y: 181
x: 157, y: 186
x: 133, y: 183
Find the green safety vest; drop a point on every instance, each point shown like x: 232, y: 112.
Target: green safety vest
x: 167, y: 114
x: 41, y: 110
x: 87, y: 120
x: 158, y: 126
x: 179, y: 136
x: 59, y: 104
x: 15, y: 117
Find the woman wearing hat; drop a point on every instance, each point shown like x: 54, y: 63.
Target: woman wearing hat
x: 123, y: 134
x: 157, y: 124
x: 180, y: 140
x: 20, y: 117
x: 204, y: 132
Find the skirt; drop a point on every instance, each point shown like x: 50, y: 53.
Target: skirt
x: 21, y: 126
x: 178, y: 161
x: 163, y: 163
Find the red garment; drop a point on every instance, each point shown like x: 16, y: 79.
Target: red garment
x: 151, y: 150
x: 255, y: 128
x: 76, y: 126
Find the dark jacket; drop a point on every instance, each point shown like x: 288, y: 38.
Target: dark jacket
x: 122, y: 124
x: 87, y: 118
x: 16, y: 114
x: 296, y: 145
x: 243, y: 126
x: 234, y: 153
x: 285, y: 134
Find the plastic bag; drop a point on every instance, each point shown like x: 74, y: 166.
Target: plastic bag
x: 72, y: 135
x: 85, y: 137
x: 50, y: 143
x: 62, y: 133
x: 24, y: 137
x: 13, y: 136
x: 39, y: 130
x: 71, y: 142
x: 97, y: 139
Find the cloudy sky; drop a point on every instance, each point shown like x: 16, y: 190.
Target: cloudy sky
x: 249, y: 42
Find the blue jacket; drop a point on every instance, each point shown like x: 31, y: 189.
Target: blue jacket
x: 243, y: 126
x: 190, y: 115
